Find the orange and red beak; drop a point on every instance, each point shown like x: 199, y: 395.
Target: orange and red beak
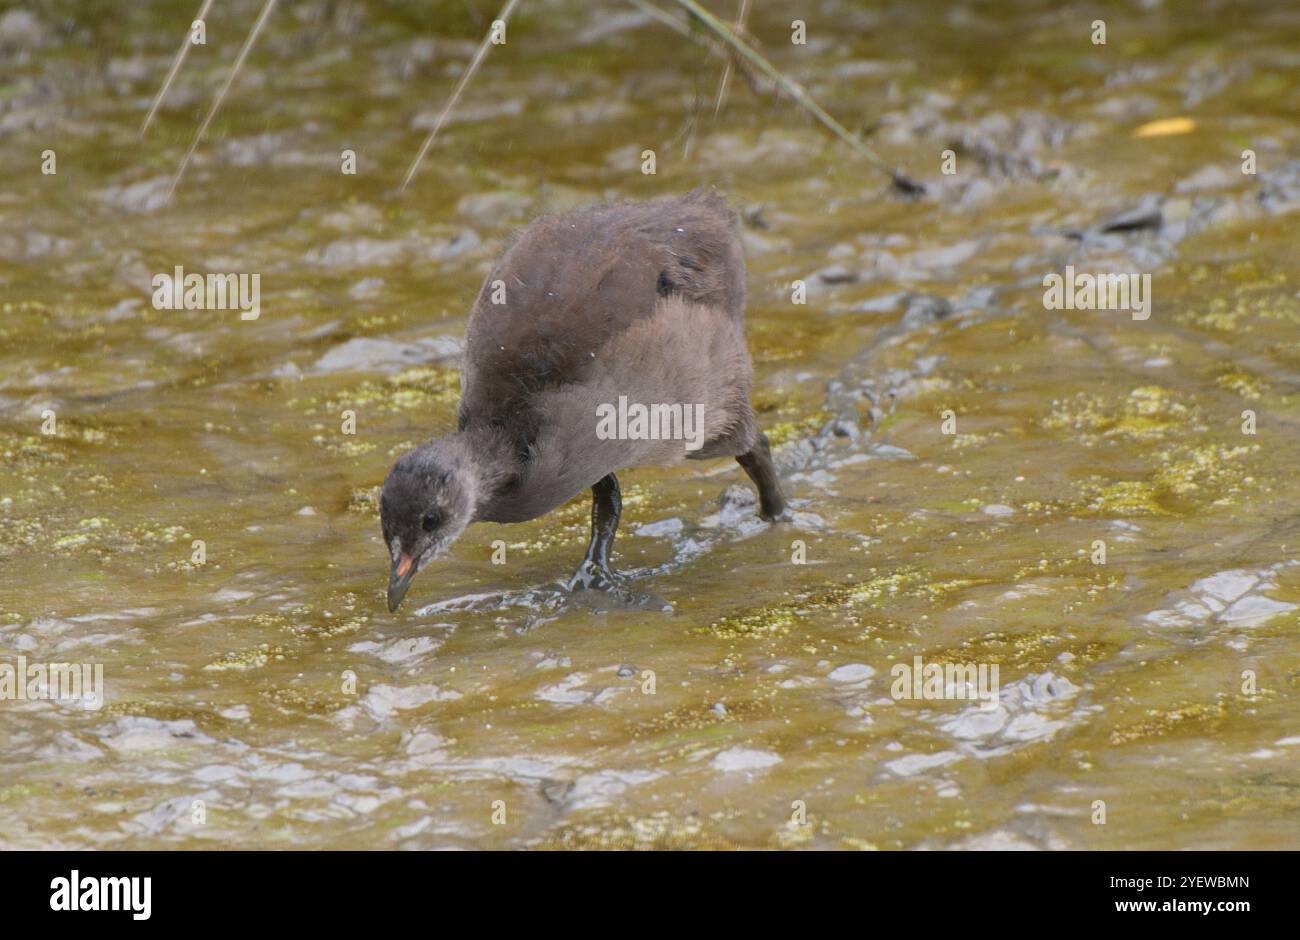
x: 399, y: 581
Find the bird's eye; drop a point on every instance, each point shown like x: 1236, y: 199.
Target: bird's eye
x: 431, y: 520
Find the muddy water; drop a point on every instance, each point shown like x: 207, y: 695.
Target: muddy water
x: 270, y: 683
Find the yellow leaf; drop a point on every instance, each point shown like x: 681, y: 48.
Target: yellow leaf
x: 1165, y: 127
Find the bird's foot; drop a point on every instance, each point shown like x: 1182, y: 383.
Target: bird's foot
x: 782, y: 515
x: 599, y: 589
x: 592, y: 576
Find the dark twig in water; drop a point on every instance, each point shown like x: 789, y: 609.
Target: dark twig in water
x: 802, y: 98
x: 659, y: 16
x: 742, y: 16
x: 688, y: 130
x: 176, y: 67
x: 728, y: 37
x: 230, y: 80
x: 473, y: 67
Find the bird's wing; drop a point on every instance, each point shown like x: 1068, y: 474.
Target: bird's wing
x: 574, y: 281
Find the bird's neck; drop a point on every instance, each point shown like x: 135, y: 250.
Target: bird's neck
x: 490, y: 461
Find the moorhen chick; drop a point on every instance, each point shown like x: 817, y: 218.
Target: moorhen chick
x: 588, y: 311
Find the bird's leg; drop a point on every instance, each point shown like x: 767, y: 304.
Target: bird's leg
x: 758, y: 464
x: 606, y: 506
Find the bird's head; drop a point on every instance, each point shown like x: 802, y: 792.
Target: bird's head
x: 426, y: 503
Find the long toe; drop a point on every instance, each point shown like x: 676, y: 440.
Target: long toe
x: 591, y: 576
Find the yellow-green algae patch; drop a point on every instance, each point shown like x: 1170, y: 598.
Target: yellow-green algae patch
x: 252, y: 658
x: 777, y: 619
x: 299, y: 701
x: 690, y: 718
x: 1150, y: 411
x: 1216, y: 472
x: 1240, y: 312
x: 417, y: 388
x: 30, y: 450
x: 304, y: 621
x: 786, y: 431
x: 101, y: 536
x: 17, y: 791
x: 1198, y: 716
x: 961, y: 441
x: 1246, y: 385
x: 365, y: 499
x: 163, y: 710
x: 1123, y: 498
x: 1039, y: 649
x: 1185, y: 476
x: 346, y: 446
x: 659, y: 831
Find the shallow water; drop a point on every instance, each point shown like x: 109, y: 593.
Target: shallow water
x: 231, y: 682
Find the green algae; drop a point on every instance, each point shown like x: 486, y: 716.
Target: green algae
x: 252, y: 658
x: 786, y: 431
x: 1194, y: 717
x: 1148, y: 412
x: 420, y: 388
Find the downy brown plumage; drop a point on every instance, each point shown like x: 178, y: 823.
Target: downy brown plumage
x: 640, y: 300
